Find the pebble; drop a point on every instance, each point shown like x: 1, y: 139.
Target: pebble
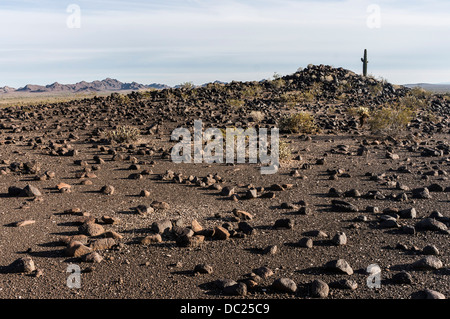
x: 91, y: 229
x: 286, y: 285
x: 162, y: 226
x: 428, y: 294
x: 319, y: 289
x: 263, y: 272
x: 343, y: 206
x: 402, y: 278
x: 340, y: 266
x: 77, y: 249
x: 203, y: 269
x: 285, y: 223
x: 339, y: 239
x: 431, y: 224
x: 30, y: 191
x: 430, y: 250
x: 344, y: 284
x: 24, y: 223
x: 238, y: 289
x: 107, y: 190
x: 306, y: 242
x: 221, y: 233
x: 23, y: 265
x: 421, y: 193
x: 428, y: 263
x: 102, y: 244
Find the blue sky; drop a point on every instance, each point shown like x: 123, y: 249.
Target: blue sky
x: 175, y: 41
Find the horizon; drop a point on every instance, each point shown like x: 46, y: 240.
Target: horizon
x: 202, y: 41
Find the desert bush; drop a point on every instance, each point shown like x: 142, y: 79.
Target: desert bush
x: 298, y: 123
x: 251, y: 92
x: 361, y: 112
x: 257, y: 116
x: 187, y: 85
x: 235, y: 103
x: 390, y: 119
x: 285, y: 151
x: 420, y: 93
x: 123, y: 134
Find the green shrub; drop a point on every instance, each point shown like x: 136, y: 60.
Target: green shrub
x: 298, y: 123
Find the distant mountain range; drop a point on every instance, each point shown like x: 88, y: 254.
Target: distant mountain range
x: 83, y: 86
x: 109, y: 84
x: 438, y: 88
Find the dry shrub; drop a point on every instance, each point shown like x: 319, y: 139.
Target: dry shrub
x: 298, y: 123
x: 390, y: 119
x: 123, y: 134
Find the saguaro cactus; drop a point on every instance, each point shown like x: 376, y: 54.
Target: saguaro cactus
x: 364, y: 61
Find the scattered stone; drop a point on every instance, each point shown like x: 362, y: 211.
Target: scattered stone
x: 107, y: 190
x: 203, y: 269
x: 271, y: 250
x: 80, y: 238
x: 91, y: 229
x: 402, y: 278
x: 422, y: 193
x: 93, y: 257
x: 339, y: 266
x: 428, y: 263
x: 284, y: 223
x: 30, y: 191
x: 221, y: 233
x: 430, y: 250
x: 151, y: 239
x: 162, y: 226
x: 305, y: 210
x: 24, y: 223
x: 110, y: 220
x: 343, y: 206
x: 195, y: 226
x: 344, y: 284
x: 160, y: 205
x: 246, y: 228
x: 284, y: 285
x: 339, y: 239
x: 77, y: 249
x: 431, y: 224
x: 144, y: 193
x: 190, y: 241
x: 227, y: 191
x: 428, y: 294
x: 23, y: 265
x: 319, y: 289
x: 408, y: 213
x: 238, y: 289
x: 305, y: 242
x: 409, y: 230
x: 102, y: 244
x: 242, y: 215
x: 144, y: 210
x: 263, y: 272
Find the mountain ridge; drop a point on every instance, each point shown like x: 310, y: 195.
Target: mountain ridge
x: 107, y: 84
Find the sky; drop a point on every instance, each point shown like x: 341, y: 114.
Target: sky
x: 200, y: 41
